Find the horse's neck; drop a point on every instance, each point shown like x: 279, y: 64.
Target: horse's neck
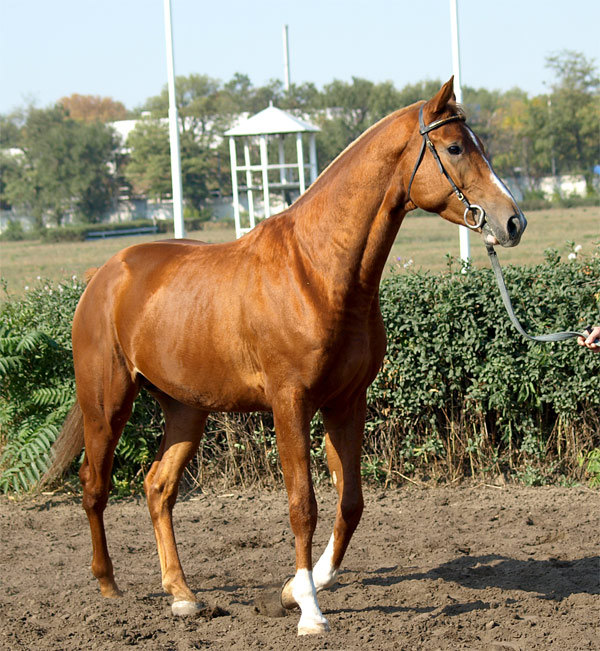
x: 348, y: 221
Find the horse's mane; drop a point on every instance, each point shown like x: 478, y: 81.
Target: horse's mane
x: 365, y: 135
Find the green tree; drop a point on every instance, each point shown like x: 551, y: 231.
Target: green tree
x: 563, y: 125
x: 149, y: 166
x: 63, y: 167
x: 348, y: 109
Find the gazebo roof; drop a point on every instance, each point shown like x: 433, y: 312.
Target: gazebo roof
x: 271, y: 120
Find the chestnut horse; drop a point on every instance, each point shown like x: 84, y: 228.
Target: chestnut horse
x: 285, y: 319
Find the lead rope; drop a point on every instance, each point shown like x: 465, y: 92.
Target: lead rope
x: 554, y: 336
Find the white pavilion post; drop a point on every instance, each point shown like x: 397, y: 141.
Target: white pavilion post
x: 463, y: 231
x: 264, y: 162
x: 234, y: 187
x: 312, y: 152
x: 249, y: 181
x: 300, y: 152
x: 282, y: 170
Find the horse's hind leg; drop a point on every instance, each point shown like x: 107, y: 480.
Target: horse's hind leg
x: 183, y: 429
x: 103, y: 422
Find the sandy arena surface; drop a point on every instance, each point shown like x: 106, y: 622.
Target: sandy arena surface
x: 444, y: 568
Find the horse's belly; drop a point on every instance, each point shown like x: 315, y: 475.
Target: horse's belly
x: 206, y: 382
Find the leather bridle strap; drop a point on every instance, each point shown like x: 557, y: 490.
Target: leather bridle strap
x: 554, y: 336
x: 478, y: 211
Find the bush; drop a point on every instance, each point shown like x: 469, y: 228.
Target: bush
x: 14, y: 232
x: 536, y: 200
x: 79, y: 232
x: 193, y: 221
x: 465, y: 391
x: 460, y: 393
x: 36, y: 378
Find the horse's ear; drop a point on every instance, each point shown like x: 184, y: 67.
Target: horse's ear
x: 439, y: 102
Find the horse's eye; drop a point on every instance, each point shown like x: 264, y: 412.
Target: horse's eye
x: 454, y: 150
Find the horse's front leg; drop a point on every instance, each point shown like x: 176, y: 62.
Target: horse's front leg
x: 292, y: 427
x: 344, y: 428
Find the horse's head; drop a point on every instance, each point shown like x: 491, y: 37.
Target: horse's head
x: 444, y: 146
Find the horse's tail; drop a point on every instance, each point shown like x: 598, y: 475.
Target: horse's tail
x: 88, y: 274
x: 67, y: 446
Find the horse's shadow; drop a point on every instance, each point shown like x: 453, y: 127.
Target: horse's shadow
x: 551, y: 579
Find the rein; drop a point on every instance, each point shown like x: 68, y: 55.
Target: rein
x: 553, y: 336
x: 479, y: 217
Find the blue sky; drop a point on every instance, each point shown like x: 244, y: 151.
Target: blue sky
x: 116, y: 48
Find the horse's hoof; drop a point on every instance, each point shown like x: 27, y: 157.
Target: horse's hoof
x: 185, y: 608
x: 110, y: 591
x: 313, y: 628
x: 287, y: 598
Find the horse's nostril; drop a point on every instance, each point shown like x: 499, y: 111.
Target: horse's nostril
x: 513, y: 227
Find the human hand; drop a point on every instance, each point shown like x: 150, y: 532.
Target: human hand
x: 592, y: 341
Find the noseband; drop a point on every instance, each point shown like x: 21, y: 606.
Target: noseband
x: 478, y: 211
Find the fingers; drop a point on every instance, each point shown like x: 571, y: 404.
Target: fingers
x: 592, y: 341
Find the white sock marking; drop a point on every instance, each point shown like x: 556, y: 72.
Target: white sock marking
x: 324, y: 573
x: 305, y: 595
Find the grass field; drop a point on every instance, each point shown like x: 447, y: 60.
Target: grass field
x: 424, y: 240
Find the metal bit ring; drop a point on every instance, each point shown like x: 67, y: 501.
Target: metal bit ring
x: 478, y: 216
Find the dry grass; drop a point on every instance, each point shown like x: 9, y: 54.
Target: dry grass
x: 424, y: 240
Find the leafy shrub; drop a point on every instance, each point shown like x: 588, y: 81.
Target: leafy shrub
x: 457, y: 371
x: 36, y: 379
x: 194, y: 220
x: 460, y: 392
x: 79, y: 232
x: 13, y: 232
x: 536, y: 200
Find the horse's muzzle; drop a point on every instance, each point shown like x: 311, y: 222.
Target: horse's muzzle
x: 506, y: 235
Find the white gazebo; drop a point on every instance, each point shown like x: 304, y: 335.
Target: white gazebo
x: 269, y: 126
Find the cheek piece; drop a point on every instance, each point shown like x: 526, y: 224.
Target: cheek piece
x: 476, y: 212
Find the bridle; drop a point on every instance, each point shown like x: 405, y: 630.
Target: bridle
x: 479, y: 219
x: 478, y: 211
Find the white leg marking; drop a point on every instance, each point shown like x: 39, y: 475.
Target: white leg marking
x: 324, y: 573
x: 305, y: 595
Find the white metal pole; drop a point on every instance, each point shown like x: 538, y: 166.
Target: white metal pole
x: 173, y: 129
x: 313, y: 157
x: 264, y: 164
x: 286, y: 59
x: 463, y: 231
x: 234, y: 187
x: 300, y: 154
x: 249, y: 180
x: 282, y: 171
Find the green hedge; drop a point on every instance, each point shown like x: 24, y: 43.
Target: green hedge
x: 460, y: 393
x: 462, y: 387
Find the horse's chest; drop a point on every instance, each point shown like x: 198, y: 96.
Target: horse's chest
x: 352, y: 359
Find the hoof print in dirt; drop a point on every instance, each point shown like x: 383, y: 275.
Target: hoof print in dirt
x: 212, y: 612
x: 269, y: 604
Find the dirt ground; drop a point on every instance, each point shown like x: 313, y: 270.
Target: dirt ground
x: 446, y: 568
